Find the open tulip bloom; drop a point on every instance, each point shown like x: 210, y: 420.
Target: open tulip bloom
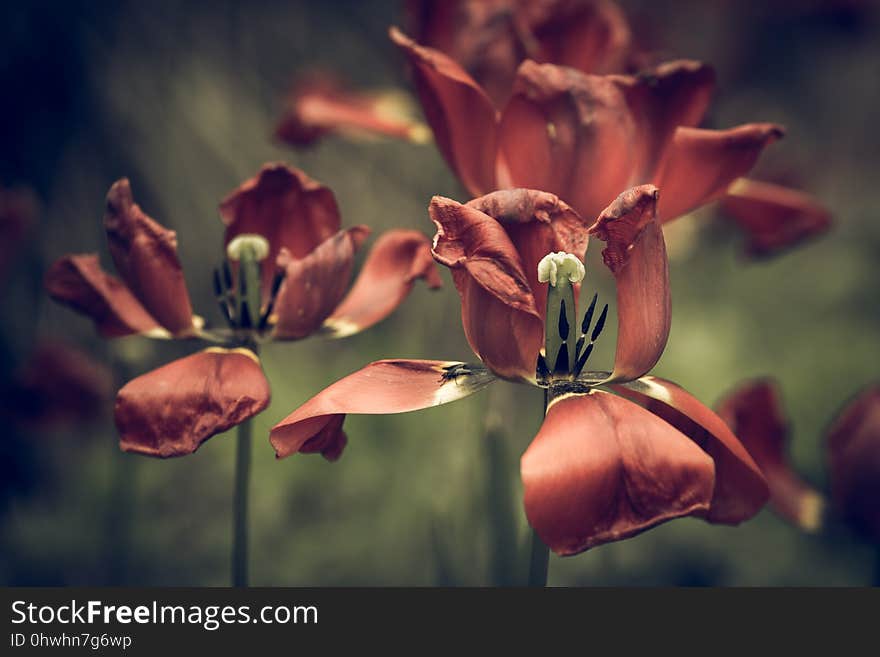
x: 285, y: 277
x: 619, y: 451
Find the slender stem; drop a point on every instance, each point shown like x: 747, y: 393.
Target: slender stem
x: 240, y: 520
x: 540, y: 556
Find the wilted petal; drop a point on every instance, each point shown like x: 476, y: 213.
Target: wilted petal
x: 383, y: 387
x: 740, y: 488
x: 592, y: 36
x: 397, y: 259
x: 754, y: 412
x: 501, y: 321
x: 636, y: 255
x: 603, y: 469
x: 853, y: 444
x: 670, y: 95
x: 773, y: 217
x: 79, y: 281
x: 18, y: 213
x: 568, y: 133
x: 145, y: 255
x: 57, y: 385
x: 172, y: 410
x: 320, y: 105
x: 537, y: 223
x: 314, y: 285
x: 699, y: 165
x: 459, y: 112
x: 285, y: 206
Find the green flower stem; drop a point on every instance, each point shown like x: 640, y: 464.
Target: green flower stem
x: 540, y: 555
x: 240, y: 519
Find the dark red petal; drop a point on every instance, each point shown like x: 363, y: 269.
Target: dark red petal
x: 18, y: 214
x: 853, y: 443
x: 313, y: 286
x: 145, y: 255
x: 458, y: 111
x: 79, y: 281
x: 172, y: 410
x: 754, y: 412
x: 636, y: 255
x: 740, y: 488
x: 383, y: 387
x: 537, y: 223
x: 603, y: 469
x: 567, y: 133
x: 285, y: 206
x: 501, y: 320
x: 699, y: 165
x: 670, y: 95
x: 58, y: 385
x: 592, y: 36
x: 396, y: 261
x: 773, y: 217
x: 320, y: 105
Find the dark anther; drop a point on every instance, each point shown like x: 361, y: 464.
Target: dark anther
x: 563, y: 321
x: 588, y: 316
x: 245, y: 320
x: 276, y: 285
x: 227, y: 275
x: 223, y: 298
x: 582, y: 360
x: 597, y: 330
x: 561, y: 366
x: 542, y: 372
x: 218, y: 286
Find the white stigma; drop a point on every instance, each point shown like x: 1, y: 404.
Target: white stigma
x: 258, y: 243
x: 559, y: 265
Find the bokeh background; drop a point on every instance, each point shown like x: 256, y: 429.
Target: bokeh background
x: 182, y: 99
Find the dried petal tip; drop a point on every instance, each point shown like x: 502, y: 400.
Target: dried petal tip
x: 560, y: 264
x: 257, y: 243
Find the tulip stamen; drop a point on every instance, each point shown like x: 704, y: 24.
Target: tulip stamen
x: 223, y: 297
x: 581, y: 357
x: 273, y: 295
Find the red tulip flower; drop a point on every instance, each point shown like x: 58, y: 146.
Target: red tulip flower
x: 286, y: 278
x: 603, y: 466
x: 584, y: 137
x: 852, y: 441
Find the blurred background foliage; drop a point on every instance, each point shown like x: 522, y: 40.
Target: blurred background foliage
x: 182, y: 99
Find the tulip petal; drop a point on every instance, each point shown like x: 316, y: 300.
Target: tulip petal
x: 603, y: 469
x: 853, y: 443
x: 397, y: 259
x: 145, y: 255
x: 313, y: 286
x: 593, y: 37
x: 740, y: 487
x: 172, y: 410
x: 320, y: 105
x: 569, y: 134
x: 383, y: 387
x: 285, y: 206
x: 458, y: 111
x: 501, y: 321
x: 773, y: 217
x: 754, y: 413
x: 699, y: 165
x: 636, y: 255
x: 672, y: 94
x: 537, y: 223
x: 79, y: 281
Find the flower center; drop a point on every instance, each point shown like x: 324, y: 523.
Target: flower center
x: 568, y: 356
x: 239, y: 298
